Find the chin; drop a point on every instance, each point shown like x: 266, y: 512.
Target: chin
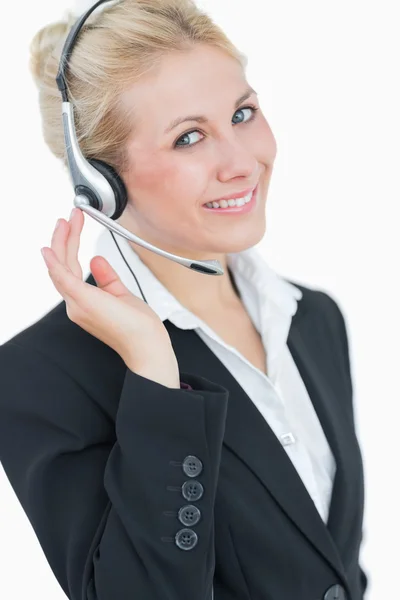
x: 241, y: 243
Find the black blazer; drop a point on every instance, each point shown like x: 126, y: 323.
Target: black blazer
x: 98, y: 458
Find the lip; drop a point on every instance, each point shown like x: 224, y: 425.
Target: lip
x: 236, y: 210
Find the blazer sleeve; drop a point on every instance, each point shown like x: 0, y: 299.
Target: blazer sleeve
x: 102, y: 495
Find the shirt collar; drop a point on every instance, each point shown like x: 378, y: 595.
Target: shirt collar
x: 277, y: 298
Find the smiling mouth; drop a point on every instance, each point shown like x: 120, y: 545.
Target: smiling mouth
x: 231, y: 207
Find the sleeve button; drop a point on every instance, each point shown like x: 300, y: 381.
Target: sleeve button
x: 335, y: 592
x: 186, y: 539
x: 189, y: 515
x: 192, y: 466
x: 192, y: 490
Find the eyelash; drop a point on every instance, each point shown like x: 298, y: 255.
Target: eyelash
x: 254, y: 108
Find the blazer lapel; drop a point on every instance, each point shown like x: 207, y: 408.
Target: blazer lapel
x: 251, y: 439
x: 341, y: 437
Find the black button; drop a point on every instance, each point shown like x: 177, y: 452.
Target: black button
x: 335, y: 592
x: 192, y: 490
x: 189, y: 515
x: 186, y: 539
x: 192, y: 466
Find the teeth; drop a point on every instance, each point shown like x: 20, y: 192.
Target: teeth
x: 232, y: 202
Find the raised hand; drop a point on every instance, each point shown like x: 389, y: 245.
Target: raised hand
x: 109, y: 311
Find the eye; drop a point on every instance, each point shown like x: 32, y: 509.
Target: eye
x: 251, y: 108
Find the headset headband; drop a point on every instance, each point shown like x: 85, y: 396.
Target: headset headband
x: 68, y: 47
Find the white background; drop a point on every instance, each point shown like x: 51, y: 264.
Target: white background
x: 327, y: 74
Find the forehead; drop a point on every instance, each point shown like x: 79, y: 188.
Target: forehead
x: 201, y: 80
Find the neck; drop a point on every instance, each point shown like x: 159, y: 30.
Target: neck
x: 196, y: 291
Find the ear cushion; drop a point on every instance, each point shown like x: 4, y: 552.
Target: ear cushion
x: 118, y: 186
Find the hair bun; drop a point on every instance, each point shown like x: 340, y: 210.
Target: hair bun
x: 43, y: 44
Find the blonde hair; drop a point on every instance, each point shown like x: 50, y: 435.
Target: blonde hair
x: 114, y: 49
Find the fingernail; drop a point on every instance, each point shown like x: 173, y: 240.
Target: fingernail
x: 42, y: 250
x: 58, y: 224
x: 72, y: 213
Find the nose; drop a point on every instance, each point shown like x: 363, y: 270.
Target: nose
x: 236, y: 160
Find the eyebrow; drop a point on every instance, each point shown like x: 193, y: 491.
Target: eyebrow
x: 201, y: 118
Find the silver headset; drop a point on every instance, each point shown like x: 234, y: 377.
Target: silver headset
x: 99, y: 190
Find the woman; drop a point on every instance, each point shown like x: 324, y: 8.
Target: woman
x: 202, y: 444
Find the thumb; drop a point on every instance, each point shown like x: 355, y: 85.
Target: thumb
x: 106, y: 277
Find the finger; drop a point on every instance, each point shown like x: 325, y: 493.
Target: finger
x: 65, y: 282
x: 76, y: 222
x: 57, y: 271
x: 80, y: 295
x: 58, y: 240
x: 106, y: 278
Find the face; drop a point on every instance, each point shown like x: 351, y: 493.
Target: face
x: 173, y: 173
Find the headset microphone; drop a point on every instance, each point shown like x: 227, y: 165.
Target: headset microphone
x: 99, y: 190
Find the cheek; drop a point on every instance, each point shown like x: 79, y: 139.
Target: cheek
x: 170, y: 183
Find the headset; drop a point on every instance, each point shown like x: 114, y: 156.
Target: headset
x: 99, y: 190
